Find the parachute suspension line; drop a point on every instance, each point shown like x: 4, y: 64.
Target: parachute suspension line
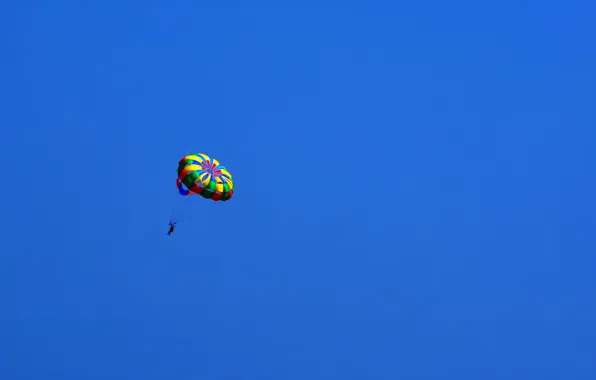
x: 178, y: 213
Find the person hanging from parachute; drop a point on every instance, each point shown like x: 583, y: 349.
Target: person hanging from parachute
x: 199, y: 174
x: 172, y: 226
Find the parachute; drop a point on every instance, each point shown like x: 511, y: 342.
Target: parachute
x: 199, y: 174
x: 202, y: 175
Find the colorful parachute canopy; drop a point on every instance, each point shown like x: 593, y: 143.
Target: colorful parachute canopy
x: 205, y: 176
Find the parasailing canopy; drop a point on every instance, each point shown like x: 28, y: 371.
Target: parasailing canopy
x: 203, y: 175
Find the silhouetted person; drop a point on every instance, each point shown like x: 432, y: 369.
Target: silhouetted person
x: 172, y: 226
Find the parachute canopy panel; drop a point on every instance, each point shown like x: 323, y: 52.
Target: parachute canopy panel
x: 205, y: 176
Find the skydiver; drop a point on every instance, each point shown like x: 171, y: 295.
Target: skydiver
x: 172, y: 226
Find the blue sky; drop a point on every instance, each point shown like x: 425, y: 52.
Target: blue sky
x: 414, y: 191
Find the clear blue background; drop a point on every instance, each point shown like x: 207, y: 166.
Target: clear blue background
x: 415, y: 190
